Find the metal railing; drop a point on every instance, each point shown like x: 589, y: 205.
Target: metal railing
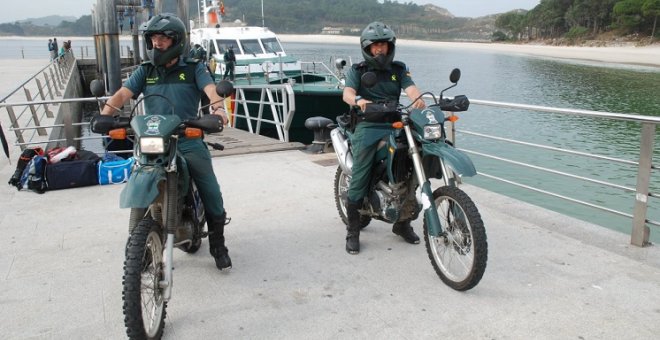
x: 275, y: 100
x: 30, y: 119
x: 644, y: 166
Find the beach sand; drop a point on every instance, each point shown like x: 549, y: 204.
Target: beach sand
x: 628, y: 55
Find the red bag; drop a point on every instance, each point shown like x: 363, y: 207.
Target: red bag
x: 59, y: 154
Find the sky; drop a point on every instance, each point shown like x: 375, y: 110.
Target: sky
x: 13, y: 10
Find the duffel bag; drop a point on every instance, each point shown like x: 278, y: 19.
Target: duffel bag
x: 71, y: 174
x: 115, y: 172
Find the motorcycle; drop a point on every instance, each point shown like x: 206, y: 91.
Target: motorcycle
x: 400, y: 188
x: 166, y: 208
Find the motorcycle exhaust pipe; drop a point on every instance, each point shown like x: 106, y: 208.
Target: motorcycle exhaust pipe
x: 344, y: 155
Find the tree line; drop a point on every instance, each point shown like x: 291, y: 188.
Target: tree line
x: 580, y: 19
x: 293, y: 16
x: 573, y: 19
x: 80, y: 27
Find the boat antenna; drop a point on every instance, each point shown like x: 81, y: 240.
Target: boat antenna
x: 262, y: 14
x: 199, y: 12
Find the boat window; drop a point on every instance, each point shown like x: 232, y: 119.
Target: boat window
x: 251, y: 46
x: 224, y: 44
x: 272, y: 45
x: 212, y: 50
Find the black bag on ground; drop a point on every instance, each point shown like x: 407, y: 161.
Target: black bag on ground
x: 71, y: 174
x: 26, y: 157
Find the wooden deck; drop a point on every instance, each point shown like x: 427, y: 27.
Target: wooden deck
x: 238, y: 141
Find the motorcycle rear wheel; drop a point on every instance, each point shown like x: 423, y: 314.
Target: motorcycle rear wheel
x: 460, y: 253
x: 342, y: 180
x: 144, y: 304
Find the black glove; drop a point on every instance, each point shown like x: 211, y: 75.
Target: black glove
x: 102, y: 124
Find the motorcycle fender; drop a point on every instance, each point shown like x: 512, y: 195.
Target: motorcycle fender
x: 142, y: 187
x: 457, y: 160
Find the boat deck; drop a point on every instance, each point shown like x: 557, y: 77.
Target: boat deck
x: 548, y: 276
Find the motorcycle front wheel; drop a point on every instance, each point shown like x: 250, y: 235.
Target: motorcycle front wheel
x: 342, y: 180
x: 459, y: 254
x: 144, y: 304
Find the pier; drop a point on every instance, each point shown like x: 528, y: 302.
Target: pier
x: 549, y: 276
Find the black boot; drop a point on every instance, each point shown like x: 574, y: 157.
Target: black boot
x: 404, y: 230
x: 353, y: 227
x: 217, y: 243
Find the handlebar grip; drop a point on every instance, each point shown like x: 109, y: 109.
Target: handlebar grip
x: 458, y: 104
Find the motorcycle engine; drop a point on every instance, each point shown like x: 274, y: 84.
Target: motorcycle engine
x: 386, y: 200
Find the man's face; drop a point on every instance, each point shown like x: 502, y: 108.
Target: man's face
x: 161, y: 42
x: 379, y: 48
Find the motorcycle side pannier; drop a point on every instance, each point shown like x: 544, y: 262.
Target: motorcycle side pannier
x: 71, y: 174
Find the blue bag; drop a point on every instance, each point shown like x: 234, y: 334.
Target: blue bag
x: 115, y: 172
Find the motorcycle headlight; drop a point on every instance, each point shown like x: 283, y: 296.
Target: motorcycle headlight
x: 151, y: 145
x: 432, y: 131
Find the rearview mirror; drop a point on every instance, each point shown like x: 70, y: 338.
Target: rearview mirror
x: 97, y: 88
x: 224, y: 88
x: 455, y: 75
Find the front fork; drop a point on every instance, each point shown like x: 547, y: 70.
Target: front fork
x: 426, y: 199
x: 171, y: 215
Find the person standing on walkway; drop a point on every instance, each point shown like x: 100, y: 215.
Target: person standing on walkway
x: 378, y: 44
x: 51, y: 49
x: 56, y: 48
x: 230, y: 63
x: 168, y: 73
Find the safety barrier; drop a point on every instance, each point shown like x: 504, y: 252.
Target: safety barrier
x: 30, y: 119
x: 644, y: 165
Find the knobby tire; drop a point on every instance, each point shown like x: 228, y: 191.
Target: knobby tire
x: 465, y: 246
x: 142, y: 273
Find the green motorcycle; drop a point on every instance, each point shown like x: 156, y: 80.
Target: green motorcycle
x: 400, y: 188
x: 166, y: 209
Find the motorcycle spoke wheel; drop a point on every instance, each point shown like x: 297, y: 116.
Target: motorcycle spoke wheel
x: 459, y: 254
x: 144, y: 303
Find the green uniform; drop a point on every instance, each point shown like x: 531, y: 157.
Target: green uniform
x: 366, y: 135
x: 182, y: 86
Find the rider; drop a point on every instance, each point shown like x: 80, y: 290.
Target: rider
x: 182, y: 81
x: 378, y: 44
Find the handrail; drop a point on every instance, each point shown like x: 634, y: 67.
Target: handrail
x: 35, y: 115
x: 278, y: 98
x: 640, y: 231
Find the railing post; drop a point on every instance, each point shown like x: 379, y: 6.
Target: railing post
x: 60, y: 75
x: 15, y: 126
x: 35, y: 117
x: 640, y: 231
x: 57, y: 90
x: 49, y: 113
x: 48, y: 85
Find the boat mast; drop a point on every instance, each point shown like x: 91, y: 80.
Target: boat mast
x: 262, y: 14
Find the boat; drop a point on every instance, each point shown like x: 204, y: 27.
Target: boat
x: 264, y: 76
